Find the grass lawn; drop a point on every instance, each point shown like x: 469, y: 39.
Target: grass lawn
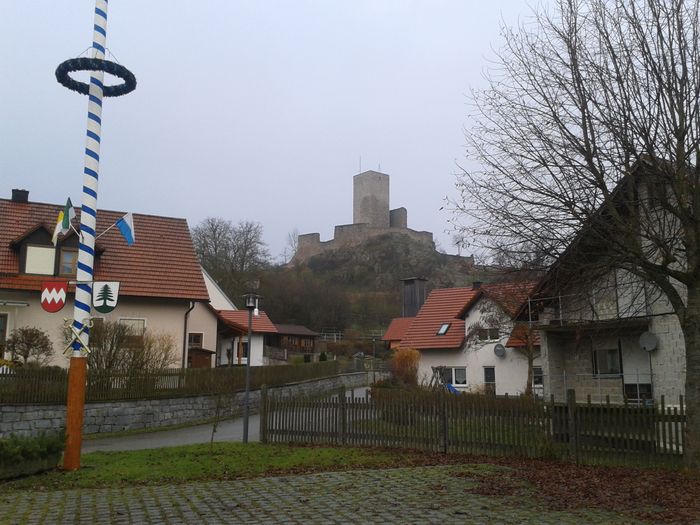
x: 654, y: 495
x: 198, y: 462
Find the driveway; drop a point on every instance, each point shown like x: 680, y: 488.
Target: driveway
x: 416, y: 495
x: 228, y: 430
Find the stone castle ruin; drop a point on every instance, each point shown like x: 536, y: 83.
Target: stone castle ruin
x: 371, y: 217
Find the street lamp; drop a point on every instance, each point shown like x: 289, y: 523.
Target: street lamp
x: 251, y: 303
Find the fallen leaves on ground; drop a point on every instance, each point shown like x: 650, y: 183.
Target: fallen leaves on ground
x: 655, y: 495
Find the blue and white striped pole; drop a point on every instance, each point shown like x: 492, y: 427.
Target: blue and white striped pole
x: 88, y: 216
x: 77, y: 375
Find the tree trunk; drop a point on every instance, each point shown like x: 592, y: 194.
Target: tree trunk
x: 530, y: 363
x: 690, y: 325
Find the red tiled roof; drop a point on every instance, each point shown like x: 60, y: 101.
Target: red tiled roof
x: 509, y: 296
x: 442, y: 306
x: 238, y: 319
x: 518, y: 337
x: 397, y: 328
x: 162, y: 262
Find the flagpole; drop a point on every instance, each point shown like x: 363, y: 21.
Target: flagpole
x: 86, y: 250
x: 101, y: 234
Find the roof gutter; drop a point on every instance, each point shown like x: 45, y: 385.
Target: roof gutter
x: 184, y: 335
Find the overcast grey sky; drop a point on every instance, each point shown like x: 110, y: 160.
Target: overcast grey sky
x: 256, y: 110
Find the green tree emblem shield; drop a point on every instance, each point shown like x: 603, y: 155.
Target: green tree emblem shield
x: 104, y: 296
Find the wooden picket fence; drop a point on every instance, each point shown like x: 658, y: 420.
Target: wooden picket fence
x: 482, y: 425
x: 22, y: 386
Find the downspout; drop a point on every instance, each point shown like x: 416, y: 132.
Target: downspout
x: 184, y: 335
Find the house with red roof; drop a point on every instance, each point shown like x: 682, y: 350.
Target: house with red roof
x: 162, y: 288
x: 396, y: 331
x: 233, y: 330
x: 469, y: 337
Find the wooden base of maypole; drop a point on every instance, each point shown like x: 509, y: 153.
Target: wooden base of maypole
x: 75, y: 409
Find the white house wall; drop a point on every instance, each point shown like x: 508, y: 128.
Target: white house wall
x: 510, y: 370
x: 256, y: 352
x: 161, y: 315
x: 668, y: 359
x: 217, y: 298
x: 203, y: 320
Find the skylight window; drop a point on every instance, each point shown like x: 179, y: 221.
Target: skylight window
x: 443, y: 329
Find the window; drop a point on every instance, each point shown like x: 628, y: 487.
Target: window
x: 537, y: 376
x: 443, y: 329
x: 137, y: 329
x: 488, y: 334
x: 40, y: 260
x: 195, y: 340
x: 454, y: 375
x: 68, y: 261
x: 490, y: 379
x: 638, y: 392
x: 607, y: 361
x: 460, y: 376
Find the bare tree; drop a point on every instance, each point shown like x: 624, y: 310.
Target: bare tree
x: 213, y: 242
x: 31, y: 345
x: 588, y: 140
x: 115, y: 348
x: 230, y: 252
x: 292, y: 245
x: 248, y: 251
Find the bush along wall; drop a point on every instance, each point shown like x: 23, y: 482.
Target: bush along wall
x: 20, y: 456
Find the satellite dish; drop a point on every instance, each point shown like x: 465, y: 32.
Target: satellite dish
x: 648, y: 341
x: 499, y: 350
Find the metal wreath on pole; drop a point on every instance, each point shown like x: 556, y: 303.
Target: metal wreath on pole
x: 88, y: 216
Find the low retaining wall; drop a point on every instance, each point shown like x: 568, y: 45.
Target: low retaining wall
x: 115, y: 416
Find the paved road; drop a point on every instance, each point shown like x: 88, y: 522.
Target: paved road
x: 229, y: 430
x: 418, y: 495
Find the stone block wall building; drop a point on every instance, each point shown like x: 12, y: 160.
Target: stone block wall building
x: 371, y: 215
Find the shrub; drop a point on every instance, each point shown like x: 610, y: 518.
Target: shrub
x: 15, y: 450
x: 30, y: 345
x: 323, y: 357
x: 404, y: 366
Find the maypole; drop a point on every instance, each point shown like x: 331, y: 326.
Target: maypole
x: 88, y: 217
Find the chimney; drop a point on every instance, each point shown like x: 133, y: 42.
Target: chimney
x: 20, y: 195
x: 476, y: 285
x: 413, y: 294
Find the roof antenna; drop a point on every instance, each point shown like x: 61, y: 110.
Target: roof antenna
x: 360, y: 164
x: 379, y: 167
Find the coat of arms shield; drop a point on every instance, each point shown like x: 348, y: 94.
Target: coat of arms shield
x: 53, y: 295
x: 104, y: 296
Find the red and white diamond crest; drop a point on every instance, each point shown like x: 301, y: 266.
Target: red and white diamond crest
x: 53, y: 295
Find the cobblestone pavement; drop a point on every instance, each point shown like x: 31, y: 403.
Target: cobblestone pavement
x: 396, y: 496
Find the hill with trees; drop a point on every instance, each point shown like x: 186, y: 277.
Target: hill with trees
x: 356, y: 287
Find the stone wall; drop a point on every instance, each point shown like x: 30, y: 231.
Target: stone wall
x: 115, y: 416
x: 310, y: 244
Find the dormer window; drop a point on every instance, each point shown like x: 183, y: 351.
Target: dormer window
x: 68, y: 261
x: 40, y: 260
x: 443, y: 329
x: 39, y: 256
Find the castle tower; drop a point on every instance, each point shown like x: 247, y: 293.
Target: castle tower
x: 371, y: 199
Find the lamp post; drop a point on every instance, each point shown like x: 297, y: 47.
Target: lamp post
x: 251, y: 303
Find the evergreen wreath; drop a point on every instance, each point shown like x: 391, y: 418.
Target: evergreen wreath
x: 95, y: 64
